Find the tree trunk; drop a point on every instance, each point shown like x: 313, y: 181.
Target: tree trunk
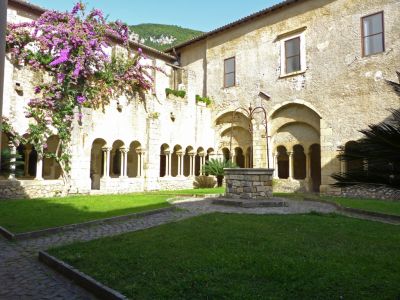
x: 220, y: 180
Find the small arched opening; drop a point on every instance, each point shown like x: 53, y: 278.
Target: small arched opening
x: 283, y: 163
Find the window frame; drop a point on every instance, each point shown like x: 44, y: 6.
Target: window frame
x: 363, y: 33
x: 287, y: 57
x: 303, y: 58
x: 234, y: 72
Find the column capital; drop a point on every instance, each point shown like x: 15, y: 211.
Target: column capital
x: 167, y: 152
x: 106, y: 149
x: 124, y: 150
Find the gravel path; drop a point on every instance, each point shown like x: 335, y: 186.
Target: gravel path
x: 23, y: 277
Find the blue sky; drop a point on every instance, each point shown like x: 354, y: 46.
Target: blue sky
x: 203, y: 15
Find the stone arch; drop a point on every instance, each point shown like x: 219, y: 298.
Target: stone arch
x: 199, y: 161
x: 299, y: 163
x: 97, y: 162
x: 283, y: 162
x: 279, y: 106
x: 188, y: 161
x: 175, y: 161
x: 134, y: 160
x: 210, y: 154
x: 239, y: 157
x: 51, y: 168
x: 27, y: 157
x: 226, y: 154
x: 249, y: 162
x: 116, y: 160
x: 164, y: 160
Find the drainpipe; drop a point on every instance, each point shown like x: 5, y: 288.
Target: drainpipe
x: 3, y: 25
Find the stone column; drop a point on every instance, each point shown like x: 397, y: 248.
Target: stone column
x: 141, y: 163
x: 167, y: 163
x: 106, y: 162
x: 180, y: 164
x: 276, y: 171
x: 290, y: 165
x: 308, y: 166
x: 201, y: 164
x: 13, y: 152
x: 39, y: 169
x: 124, y: 162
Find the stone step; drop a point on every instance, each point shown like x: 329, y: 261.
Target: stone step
x: 249, y: 203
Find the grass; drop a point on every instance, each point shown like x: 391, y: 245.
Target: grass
x: 222, y: 256
x: 374, y: 205
x: 29, y: 215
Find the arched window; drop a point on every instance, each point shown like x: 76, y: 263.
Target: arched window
x: 164, y: 157
x: 283, y: 163
x: 239, y: 157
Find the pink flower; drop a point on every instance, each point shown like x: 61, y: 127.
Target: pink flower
x: 80, y: 99
x: 64, y: 55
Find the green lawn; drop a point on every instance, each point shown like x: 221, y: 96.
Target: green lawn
x: 222, y: 256
x: 374, y: 205
x: 29, y: 215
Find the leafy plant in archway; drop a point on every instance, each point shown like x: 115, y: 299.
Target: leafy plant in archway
x: 216, y: 167
x: 69, y: 53
x: 379, y: 154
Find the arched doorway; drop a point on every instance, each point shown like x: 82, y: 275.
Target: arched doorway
x: 239, y: 157
x: 299, y: 163
x: 283, y: 163
x: 97, y: 162
x: 134, y: 167
x: 164, y: 160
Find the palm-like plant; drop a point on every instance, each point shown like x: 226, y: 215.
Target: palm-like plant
x: 9, y: 161
x: 377, y: 154
x: 216, y: 167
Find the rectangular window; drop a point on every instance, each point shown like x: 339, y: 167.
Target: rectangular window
x: 292, y: 55
x: 229, y: 72
x: 373, y: 34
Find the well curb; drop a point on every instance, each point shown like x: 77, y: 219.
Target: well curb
x: 88, y: 283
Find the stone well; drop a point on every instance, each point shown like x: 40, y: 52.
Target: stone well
x: 252, y: 184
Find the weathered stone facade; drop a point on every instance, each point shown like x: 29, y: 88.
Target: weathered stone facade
x: 162, y: 143
x: 248, y: 183
x: 337, y: 92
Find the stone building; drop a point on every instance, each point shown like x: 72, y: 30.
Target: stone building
x: 318, y: 68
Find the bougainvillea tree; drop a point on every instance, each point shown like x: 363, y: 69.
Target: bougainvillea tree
x: 69, y: 52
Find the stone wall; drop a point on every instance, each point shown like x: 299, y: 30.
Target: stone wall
x: 175, y: 183
x: 248, y: 183
x: 290, y: 185
x: 19, y: 189
x: 372, y: 192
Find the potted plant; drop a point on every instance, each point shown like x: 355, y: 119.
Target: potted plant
x: 216, y: 167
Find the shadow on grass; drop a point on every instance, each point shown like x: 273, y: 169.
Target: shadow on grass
x: 20, y: 216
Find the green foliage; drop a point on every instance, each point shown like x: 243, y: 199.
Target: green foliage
x: 145, y: 31
x: 375, y: 158
x: 9, y: 160
x: 229, y: 256
x: 176, y: 93
x: 216, y: 166
x: 204, y: 182
x: 205, y: 100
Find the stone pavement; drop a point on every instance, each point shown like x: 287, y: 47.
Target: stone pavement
x: 23, y: 277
